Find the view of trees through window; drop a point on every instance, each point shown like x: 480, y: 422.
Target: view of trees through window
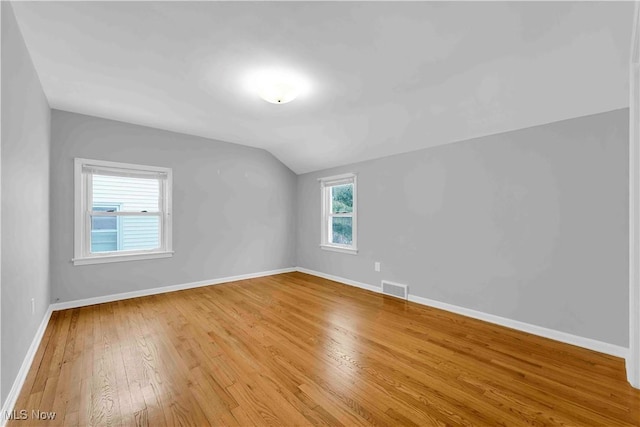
x: 342, y: 225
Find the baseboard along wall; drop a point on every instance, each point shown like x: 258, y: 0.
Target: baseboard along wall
x: 164, y: 289
x: 12, y: 397
x: 564, y: 337
x: 599, y: 346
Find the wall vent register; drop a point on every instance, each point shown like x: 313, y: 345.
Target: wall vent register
x: 395, y: 289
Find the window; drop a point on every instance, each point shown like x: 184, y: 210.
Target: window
x: 339, y: 213
x: 122, y: 212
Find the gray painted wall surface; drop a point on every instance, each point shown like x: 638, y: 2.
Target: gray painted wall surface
x: 233, y: 207
x: 531, y: 225
x: 25, y: 200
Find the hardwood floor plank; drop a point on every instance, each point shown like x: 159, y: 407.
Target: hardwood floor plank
x: 294, y: 349
x: 86, y: 362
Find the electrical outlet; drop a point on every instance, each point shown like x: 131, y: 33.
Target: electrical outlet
x: 33, y: 306
x: 376, y: 266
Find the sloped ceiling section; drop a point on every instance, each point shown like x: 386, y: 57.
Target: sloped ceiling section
x: 386, y: 77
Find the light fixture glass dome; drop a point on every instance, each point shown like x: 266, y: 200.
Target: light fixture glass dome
x: 278, y: 92
x: 277, y: 86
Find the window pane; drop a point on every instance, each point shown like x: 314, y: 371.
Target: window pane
x: 130, y: 194
x: 131, y: 233
x: 342, y: 198
x: 104, y: 223
x: 104, y: 240
x: 341, y: 230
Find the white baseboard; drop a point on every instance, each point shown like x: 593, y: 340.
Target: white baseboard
x: 591, y: 344
x: 12, y: 397
x: 340, y: 279
x: 164, y: 289
x: 10, y: 401
x: 633, y: 375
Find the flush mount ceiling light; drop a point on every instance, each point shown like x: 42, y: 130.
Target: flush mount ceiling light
x: 278, y: 92
x: 278, y: 86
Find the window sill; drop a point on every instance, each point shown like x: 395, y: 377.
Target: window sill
x: 351, y: 251
x: 120, y: 258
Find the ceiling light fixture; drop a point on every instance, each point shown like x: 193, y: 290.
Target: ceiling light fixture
x: 278, y: 92
x: 278, y: 86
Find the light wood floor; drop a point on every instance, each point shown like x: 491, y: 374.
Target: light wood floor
x: 294, y: 349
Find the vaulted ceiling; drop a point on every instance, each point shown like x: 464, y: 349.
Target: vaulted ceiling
x: 386, y: 77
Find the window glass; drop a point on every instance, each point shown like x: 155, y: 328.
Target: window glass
x: 339, y: 217
x: 132, y: 194
x: 342, y: 198
x: 342, y: 230
x: 104, y: 230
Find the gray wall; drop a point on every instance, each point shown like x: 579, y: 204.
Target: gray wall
x: 531, y: 225
x: 25, y: 200
x: 233, y: 207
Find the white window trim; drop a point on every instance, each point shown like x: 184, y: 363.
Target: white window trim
x: 82, y: 232
x: 330, y: 181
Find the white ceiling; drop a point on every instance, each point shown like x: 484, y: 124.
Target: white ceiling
x: 386, y: 77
